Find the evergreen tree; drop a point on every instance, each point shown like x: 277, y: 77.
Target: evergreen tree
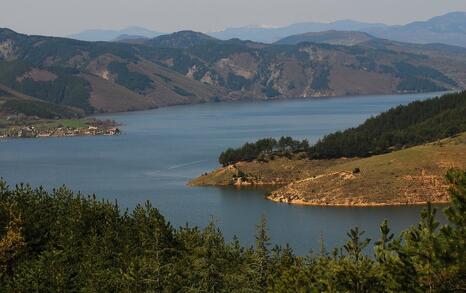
x: 262, y: 254
x: 65, y: 242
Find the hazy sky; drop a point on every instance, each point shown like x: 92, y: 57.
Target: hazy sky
x: 63, y: 17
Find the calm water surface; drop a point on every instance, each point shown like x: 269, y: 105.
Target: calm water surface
x: 160, y: 150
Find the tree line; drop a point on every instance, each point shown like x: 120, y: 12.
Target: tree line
x: 404, y: 126
x: 266, y: 146
x: 65, y: 242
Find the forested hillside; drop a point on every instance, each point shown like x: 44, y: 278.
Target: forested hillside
x: 65, y: 242
x: 404, y: 126
x: 189, y: 67
x: 94, y: 76
x: 15, y: 103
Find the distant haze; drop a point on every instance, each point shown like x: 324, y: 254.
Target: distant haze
x: 62, y: 18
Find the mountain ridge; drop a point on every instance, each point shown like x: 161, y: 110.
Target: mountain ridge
x: 93, y: 35
x: 332, y: 37
x: 190, y: 67
x: 181, y: 40
x: 271, y: 35
x: 449, y: 28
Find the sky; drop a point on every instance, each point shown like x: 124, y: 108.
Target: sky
x: 65, y: 17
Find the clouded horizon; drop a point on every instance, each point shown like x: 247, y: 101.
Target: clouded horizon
x: 65, y: 17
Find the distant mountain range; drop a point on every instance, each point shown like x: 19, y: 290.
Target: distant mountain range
x: 181, y: 40
x: 190, y: 67
x: 133, y: 32
x: 344, y: 38
x: 449, y: 29
x: 271, y: 35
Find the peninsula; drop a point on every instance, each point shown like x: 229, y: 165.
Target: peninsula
x: 402, y: 165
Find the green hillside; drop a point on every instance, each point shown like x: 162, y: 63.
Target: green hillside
x: 15, y: 103
x: 413, y: 124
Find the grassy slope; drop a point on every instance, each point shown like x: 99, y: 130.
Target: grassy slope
x: 410, y: 176
x: 279, y: 171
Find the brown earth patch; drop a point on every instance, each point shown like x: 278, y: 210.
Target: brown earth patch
x: 110, y: 97
x: 38, y: 75
x: 348, y: 81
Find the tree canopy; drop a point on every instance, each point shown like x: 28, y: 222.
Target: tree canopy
x: 62, y: 241
x: 266, y: 146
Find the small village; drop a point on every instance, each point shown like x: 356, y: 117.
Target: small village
x: 33, y: 132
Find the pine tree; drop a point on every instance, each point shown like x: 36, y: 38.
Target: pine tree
x: 262, y: 254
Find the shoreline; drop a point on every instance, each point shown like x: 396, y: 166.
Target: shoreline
x: 303, y: 202
x: 61, y: 128
x: 236, y: 101
x: 266, y: 100
x: 53, y: 136
x: 300, y: 202
x: 407, y: 177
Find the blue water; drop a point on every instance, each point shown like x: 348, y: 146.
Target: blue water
x: 161, y: 149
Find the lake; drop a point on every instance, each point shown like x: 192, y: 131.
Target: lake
x: 161, y: 149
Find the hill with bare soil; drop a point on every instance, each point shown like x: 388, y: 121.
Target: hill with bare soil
x: 410, y: 176
x: 189, y: 67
